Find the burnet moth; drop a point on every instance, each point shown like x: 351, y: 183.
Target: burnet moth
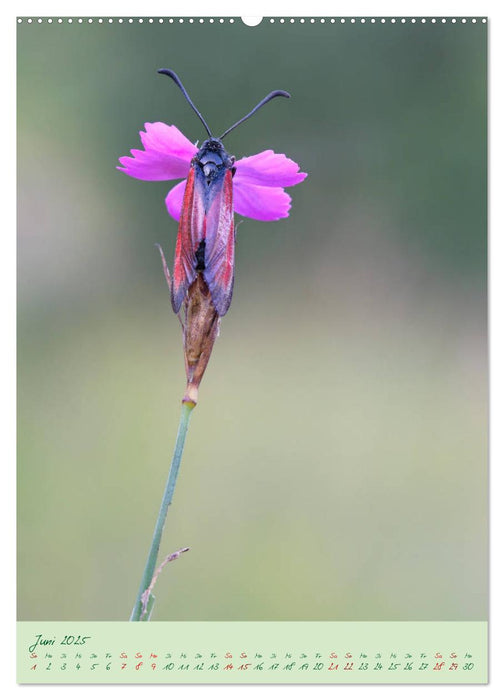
x: 206, y: 235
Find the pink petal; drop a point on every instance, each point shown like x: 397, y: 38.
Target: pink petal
x: 168, y: 139
x: 167, y: 154
x: 263, y: 203
x: 174, y: 200
x: 268, y: 169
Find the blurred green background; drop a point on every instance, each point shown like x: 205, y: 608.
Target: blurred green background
x: 335, y: 468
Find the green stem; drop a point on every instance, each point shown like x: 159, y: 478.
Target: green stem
x: 150, y: 566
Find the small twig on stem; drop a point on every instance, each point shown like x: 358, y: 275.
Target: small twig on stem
x: 148, y: 591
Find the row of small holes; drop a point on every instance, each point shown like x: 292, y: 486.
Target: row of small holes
x: 383, y: 20
x: 121, y: 21
x: 231, y: 21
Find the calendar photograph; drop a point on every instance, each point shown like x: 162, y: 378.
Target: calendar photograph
x: 252, y: 352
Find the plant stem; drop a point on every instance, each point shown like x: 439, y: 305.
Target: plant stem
x: 150, y: 566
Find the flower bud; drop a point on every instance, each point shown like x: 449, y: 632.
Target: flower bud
x: 201, y: 327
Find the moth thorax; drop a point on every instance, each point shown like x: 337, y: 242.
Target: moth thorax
x: 209, y: 169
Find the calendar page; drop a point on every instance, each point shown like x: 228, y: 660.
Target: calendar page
x: 252, y: 350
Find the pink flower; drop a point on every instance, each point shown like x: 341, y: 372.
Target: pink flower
x: 258, y: 184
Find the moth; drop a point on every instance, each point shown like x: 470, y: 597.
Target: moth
x: 206, y: 234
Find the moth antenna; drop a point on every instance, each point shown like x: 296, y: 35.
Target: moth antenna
x: 171, y: 74
x: 275, y: 93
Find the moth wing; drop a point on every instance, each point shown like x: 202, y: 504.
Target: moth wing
x: 189, y: 234
x: 220, y: 246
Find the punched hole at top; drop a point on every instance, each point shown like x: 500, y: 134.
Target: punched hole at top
x: 251, y: 21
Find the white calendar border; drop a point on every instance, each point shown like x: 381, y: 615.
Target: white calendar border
x: 225, y: 8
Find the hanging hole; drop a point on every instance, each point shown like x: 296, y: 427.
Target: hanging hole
x: 251, y: 21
